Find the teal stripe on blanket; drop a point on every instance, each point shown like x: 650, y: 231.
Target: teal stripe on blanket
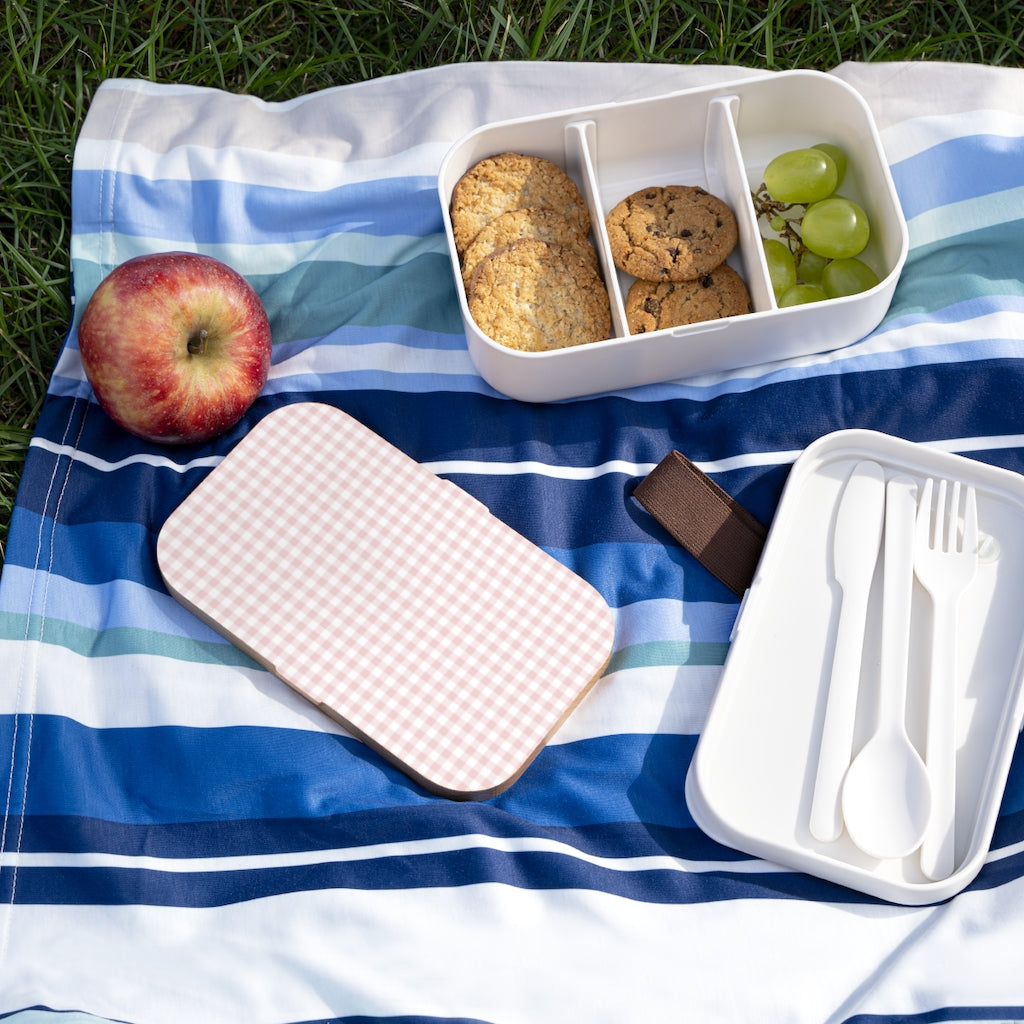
x: 342, y: 247
x: 973, y: 266
x: 125, y: 604
x: 115, y: 641
x: 668, y: 652
x: 107, y: 551
x: 316, y: 298
x: 119, y: 640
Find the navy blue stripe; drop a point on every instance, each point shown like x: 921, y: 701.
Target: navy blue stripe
x: 372, y: 827
x: 949, y: 400
x: 970, y: 1014
x: 211, y: 211
x: 562, y: 798
x: 251, y: 772
x: 99, y: 886
x: 1013, y: 794
x: 88, y: 553
x: 535, y: 870
x: 82, y: 424
x: 13, y: 1016
x: 977, y: 399
x: 38, y: 1008
x: 404, y: 1019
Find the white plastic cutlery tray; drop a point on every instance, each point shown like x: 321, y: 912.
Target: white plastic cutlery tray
x: 752, y: 778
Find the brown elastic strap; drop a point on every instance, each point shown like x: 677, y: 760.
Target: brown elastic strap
x: 722, y: 535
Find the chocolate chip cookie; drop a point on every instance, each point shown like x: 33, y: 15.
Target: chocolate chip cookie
x: 653, y: 306
x: 671, y: 233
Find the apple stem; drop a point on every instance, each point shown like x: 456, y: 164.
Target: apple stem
x: 197, y: 342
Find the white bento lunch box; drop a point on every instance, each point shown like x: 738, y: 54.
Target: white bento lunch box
x: 752, y: 779
x: 719, y: 138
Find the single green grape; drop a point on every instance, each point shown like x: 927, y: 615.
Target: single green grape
x: 778, y: 223
x: 810, y: 267
x: 836, y: 228
x: 847, y: 277
x: 801, y: 176
x: 838, y: 158
x: 800, y: 294
x: 781, y: 265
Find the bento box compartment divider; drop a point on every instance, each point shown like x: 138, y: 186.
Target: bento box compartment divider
x: 726, y: 177
x: 581, y: 164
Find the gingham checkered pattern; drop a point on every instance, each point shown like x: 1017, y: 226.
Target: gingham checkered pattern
x: 392, y: 598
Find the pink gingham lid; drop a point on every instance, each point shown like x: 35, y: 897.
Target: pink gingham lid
x: 389, y: 597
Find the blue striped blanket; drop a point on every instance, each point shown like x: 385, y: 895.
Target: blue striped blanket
x: 185, y: 839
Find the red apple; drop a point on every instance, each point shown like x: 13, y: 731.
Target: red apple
x: 176, y: 346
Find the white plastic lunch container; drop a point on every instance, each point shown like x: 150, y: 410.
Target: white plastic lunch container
x: 719, y: 138
x: 752, y: 778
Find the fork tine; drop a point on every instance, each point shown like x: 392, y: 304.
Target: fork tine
x: 953, y: 526
x: 970, y: 521
x: 924, y: 516
x: 938, y: 533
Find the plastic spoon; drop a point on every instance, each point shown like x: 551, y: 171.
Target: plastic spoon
x: 856, y: 538
x: 887, y: 794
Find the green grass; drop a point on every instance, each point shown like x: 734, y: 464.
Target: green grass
x: 54, y: 53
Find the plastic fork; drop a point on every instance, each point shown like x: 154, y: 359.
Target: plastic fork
x: 945, y: 562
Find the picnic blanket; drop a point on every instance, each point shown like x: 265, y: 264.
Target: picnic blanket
x: 185, y: 839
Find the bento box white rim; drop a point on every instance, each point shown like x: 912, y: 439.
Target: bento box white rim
x: 869, y: 444
x: 508, y: 355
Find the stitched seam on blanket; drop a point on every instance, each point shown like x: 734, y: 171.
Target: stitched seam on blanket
x: 22, y: 675
x: 28, y: 673
x: 28, y: 669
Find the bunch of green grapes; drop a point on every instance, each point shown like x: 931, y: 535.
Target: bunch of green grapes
x: 820, y: 233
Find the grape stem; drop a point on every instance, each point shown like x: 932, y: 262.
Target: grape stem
x: 773, y: 211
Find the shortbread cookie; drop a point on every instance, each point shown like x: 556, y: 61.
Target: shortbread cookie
x: 534, y: 296
x: 651, y: 306
x: 671, y: 233
x: 510, y: 181
x: 528, y: 222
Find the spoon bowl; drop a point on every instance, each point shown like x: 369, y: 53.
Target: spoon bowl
x: 887, y: 796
